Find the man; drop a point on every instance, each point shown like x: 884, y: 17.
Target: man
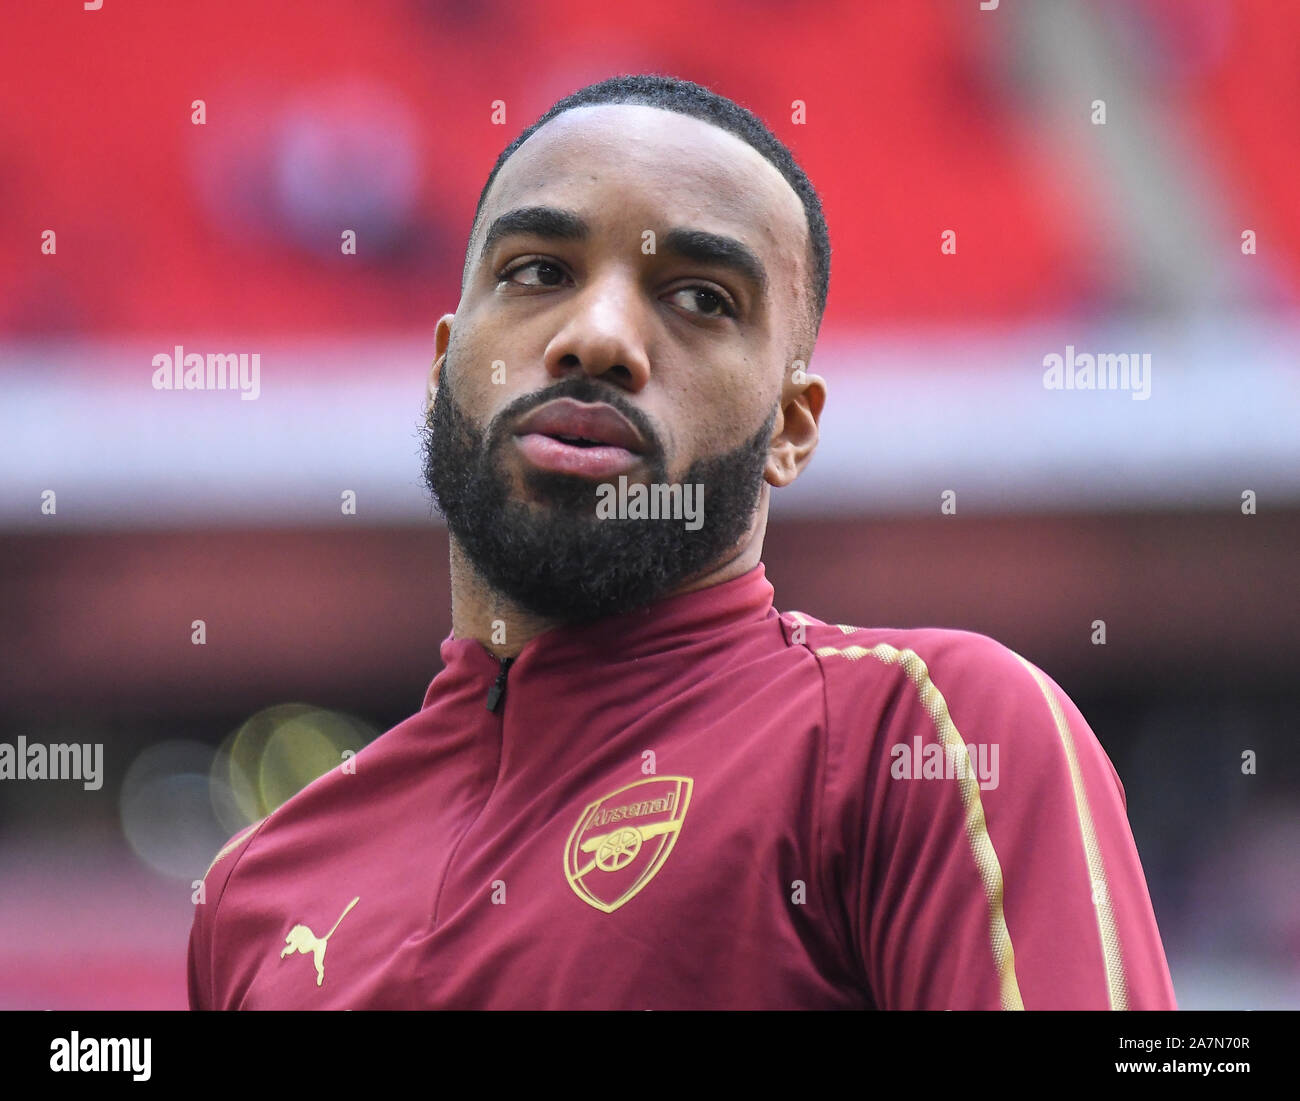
x: 635, y: 784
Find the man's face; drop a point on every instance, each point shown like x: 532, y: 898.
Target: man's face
x: 641, y: 331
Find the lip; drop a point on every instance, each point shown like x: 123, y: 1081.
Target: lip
x: 558, y: 457
x: 615, y: 449
x: 600, y: 423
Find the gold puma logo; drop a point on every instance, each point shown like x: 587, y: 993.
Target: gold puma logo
x: 302, y: 939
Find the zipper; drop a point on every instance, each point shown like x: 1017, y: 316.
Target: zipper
x: 498, y: 689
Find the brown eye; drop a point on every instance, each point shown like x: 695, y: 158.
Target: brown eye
x: 706, y: 302
x: 548, y: 274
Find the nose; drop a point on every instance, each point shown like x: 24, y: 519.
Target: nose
x: 603, y: 334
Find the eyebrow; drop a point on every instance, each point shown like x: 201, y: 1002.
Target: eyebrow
x: 693, y: 244
x: 720, y: 250
x: 537, y: 221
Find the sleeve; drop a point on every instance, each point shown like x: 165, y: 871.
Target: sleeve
x: 201, y: 969
x: 996, y: 866
x: 198, y: 978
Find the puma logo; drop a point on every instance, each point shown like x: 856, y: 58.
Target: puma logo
x: 302, y: 939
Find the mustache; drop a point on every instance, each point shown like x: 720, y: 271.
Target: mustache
x: 579, y: 388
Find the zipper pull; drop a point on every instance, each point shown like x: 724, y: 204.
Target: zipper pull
x: 498, y: 688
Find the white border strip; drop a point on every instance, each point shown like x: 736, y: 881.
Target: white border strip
x: 909, y: 415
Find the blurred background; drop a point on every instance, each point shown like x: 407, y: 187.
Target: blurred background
x: 1163, y: 222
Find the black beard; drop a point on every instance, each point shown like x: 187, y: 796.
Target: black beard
x: 558, y: 560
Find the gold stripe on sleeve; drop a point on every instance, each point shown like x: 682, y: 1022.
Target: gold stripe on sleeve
x: 230, y: 846
x: 1111, y: 949
x: 986, y: 860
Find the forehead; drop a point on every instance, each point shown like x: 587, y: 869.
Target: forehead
x: 615, y: 162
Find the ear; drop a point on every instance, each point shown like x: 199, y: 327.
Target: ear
x: 795, y: 434
x: 441, y: 339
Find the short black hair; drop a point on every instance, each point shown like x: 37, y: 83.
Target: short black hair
x: 688, y: 98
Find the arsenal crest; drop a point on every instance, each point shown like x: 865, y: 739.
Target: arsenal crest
x: 621, y: 841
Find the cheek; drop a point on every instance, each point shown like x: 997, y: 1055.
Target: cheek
x: 482, y: 383
x: 728, y: 417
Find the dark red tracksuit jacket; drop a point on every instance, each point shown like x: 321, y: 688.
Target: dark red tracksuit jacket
x: 703, y: 804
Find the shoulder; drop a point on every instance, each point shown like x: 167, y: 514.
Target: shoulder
x: 921, y: 660
x: 226, y: 859
x: 884, y: 685
x: 226, y: 895
x: 336, y: 804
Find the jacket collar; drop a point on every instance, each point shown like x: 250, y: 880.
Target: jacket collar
x: 665, y: 625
